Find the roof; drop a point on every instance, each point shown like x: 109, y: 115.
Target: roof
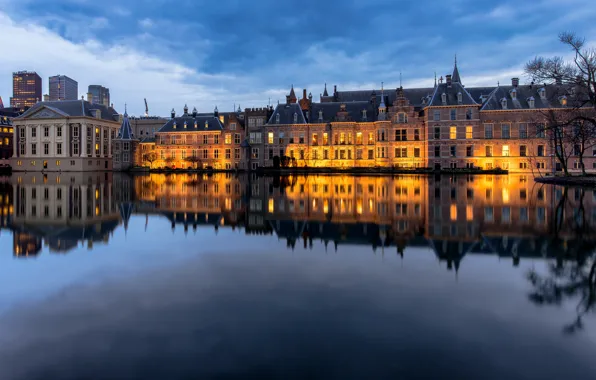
x: 451, y: 95
x: 286, y: 114
x: 519, y: 97
x: 329, y: 111
x: 198, y: 123
x: 148, y: 140
x: 70, y: 108
x: 125, y: 132
x: 416, y: 96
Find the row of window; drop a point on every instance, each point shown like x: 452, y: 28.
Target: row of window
x: 488, y: 151
x: 58, y: 146
x: 453, y: 115
x: 75, y: 132
x: 193, y: 139
x: 199, y: 153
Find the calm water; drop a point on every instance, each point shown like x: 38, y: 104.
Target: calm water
x: 174, y: 277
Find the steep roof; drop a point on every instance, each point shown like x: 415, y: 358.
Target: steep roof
x: 286, y: 114
x: 73, y: 108
x: 451, y: 95
x: 354, y: 110
x: 414, y: 95
x: 125, y: 132
x: 200, y: 123
x: 517, y: 98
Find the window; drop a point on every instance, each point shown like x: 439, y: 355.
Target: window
x: 437, y: 151
x: 401, y: 152
x: 523, y: 151
x: 58, y: 131
x: 523, y: 131
x: 270, y: 138
x: 489, y: 151
x: 437, y: 115
x: 417, y: 134
x: 125, y: 157
x: 469, y: 151
x: 437, y: 133
x: 216, y: 139
x: 325, y: 154
x: 33, y: 132
x: 295, y: 117
x: 402, y: 118
x: 505, y: 150
x: 453, y: 114
x: 228, y: 153
x: 126, y: 146
x: 46, y: 131
x: 22, y: 133
x: 401, y: 135
x: 540, y: 131
x: 236, y: 153
x: 453, y: 132
x: 469, y: 113
x: 59, y: 148
x: 417, y: 152
x: 301, y: 138
x: 255, y: 153
x: 205, y: 140
x: 371, y: 154
x: 75, y: 149
x: 315, y: 139
x: 469, y: 133
x: 46, y: 149
x: 505, y: 131
x: 576, y: 150
x: 33, y: 149
x: 232, y: 126
x: 205, y: 154
x: 371, y: 138
x: 237, y: 138
x: 488, y: 131
x: 228, y: 138
x: 358, y: 138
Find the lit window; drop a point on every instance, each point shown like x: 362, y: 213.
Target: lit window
x: 452, y: 132
x: 505, y: 150
x: 469, y: 134
x: 270, y: 138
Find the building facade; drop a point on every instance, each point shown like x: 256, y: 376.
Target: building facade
x: 125, y: 147
x: 100, y: 94
x: 64, y: 136
x: 6, y: 139
x: 62, y: 87
x: 26, y: 90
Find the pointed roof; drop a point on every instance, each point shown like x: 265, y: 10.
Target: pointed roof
x: 125, y: 131
x: 455, y: 77
x: 293, y: 97
x: 325, y: 93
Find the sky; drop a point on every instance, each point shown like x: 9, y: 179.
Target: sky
x: 236, y: 52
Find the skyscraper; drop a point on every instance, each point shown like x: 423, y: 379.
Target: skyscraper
x: 101, y: 94
x: 26, y: 89
x: 63, y: 88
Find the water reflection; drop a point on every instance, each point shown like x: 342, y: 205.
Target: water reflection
x: 509, y: 216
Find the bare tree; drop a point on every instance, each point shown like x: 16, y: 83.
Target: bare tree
x: 571, y: 125
x: 150, y: 157
x: 194, y: 160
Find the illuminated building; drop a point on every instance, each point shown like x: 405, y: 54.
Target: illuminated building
x: 26, y: 90
x: 6, y: 138
x: 195, y: 140
x: 62, y: 87
x: 68, y: 135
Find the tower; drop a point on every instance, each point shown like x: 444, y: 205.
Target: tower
x: 125, y: 147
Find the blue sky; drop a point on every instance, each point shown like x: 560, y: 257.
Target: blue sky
x: 207, y: 53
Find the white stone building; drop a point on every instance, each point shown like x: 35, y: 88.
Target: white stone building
x: 64, y: 136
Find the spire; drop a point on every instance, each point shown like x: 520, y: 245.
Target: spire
x: 455, y: 77
x: 325, y: 93
x: 292, y: 96
x: 125, y: 131
x: 400, y: 79
x: 435, y: 79
x: 125, y: 110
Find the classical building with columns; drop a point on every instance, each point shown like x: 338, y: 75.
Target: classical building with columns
x: 71, y: 135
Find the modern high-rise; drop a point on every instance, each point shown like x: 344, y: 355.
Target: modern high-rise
x: 100, y: 94
x: 26, y: 89
x: 63, y: 88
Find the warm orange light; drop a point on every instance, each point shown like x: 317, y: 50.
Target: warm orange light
x: 453, y: 212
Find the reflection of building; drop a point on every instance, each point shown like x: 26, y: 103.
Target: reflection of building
x: 26, y: 90
x: 63, y: 209
x: 99, y: 94
x: 26, y: 245
x: 64, y: 136
x: 62, y: 87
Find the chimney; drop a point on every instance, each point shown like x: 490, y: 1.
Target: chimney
x: 304, y: 93
x: 46, y: 98
x: 287, y: 100
x: 173, y: 113
x: 515, y: 82
x: 90, y: 97
x: 448, y: 79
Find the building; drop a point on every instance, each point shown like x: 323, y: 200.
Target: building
x: 144, y: 127
x: 100, y: 94
x: 26, y: 90
x: 63, y: 88
x: 6, y: 139
x: 69, y: 135
x: 198, y: 140
x: 125, y: 147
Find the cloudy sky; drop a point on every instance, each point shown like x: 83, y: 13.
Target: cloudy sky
x: 228, y: 52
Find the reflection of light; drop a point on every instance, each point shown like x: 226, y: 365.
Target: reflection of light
x: 326, y: 206
x: 315, y: 204
x: 96, y: 193
x: 96, y: 210
x: 271, y: 206
x: 469, y: 213
x: 505, y: 195
x: 371, y: 205
x: 359, y: 206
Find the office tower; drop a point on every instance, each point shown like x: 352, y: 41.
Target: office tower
x: 101, y: 94
x: 26, y: 89
x: 63, y: 88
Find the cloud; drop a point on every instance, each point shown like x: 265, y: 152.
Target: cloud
x: 146, y: 23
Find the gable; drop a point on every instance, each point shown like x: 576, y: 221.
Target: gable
x: 46, y: 113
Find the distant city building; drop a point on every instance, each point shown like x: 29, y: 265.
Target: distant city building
x: 100, y: 94
x: 1, y: 103
x: 63, y: 88
x: 67, y: 135
x: 26, y: 89
x: 5, y: 138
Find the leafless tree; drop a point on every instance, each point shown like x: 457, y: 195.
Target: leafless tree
x: 194, y: 160
x: 150, y: 157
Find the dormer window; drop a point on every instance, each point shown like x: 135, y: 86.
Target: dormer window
x: 531, y: 102
x: 320, y: 115
x: 277, y: 118
x: 513, y: 94
x: 195, y: 124
x: 459, y: 98
x: 563, y: 100
x: 206, y: 125
x: 504, y: 103
x: 423, y: 100
x: 364, y: 115
x: 444, y: 98
x: 185, y: 125
x: 542, y: 93
x: 402, y: 118
x: 295, y: 117
x: 174, y: 126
